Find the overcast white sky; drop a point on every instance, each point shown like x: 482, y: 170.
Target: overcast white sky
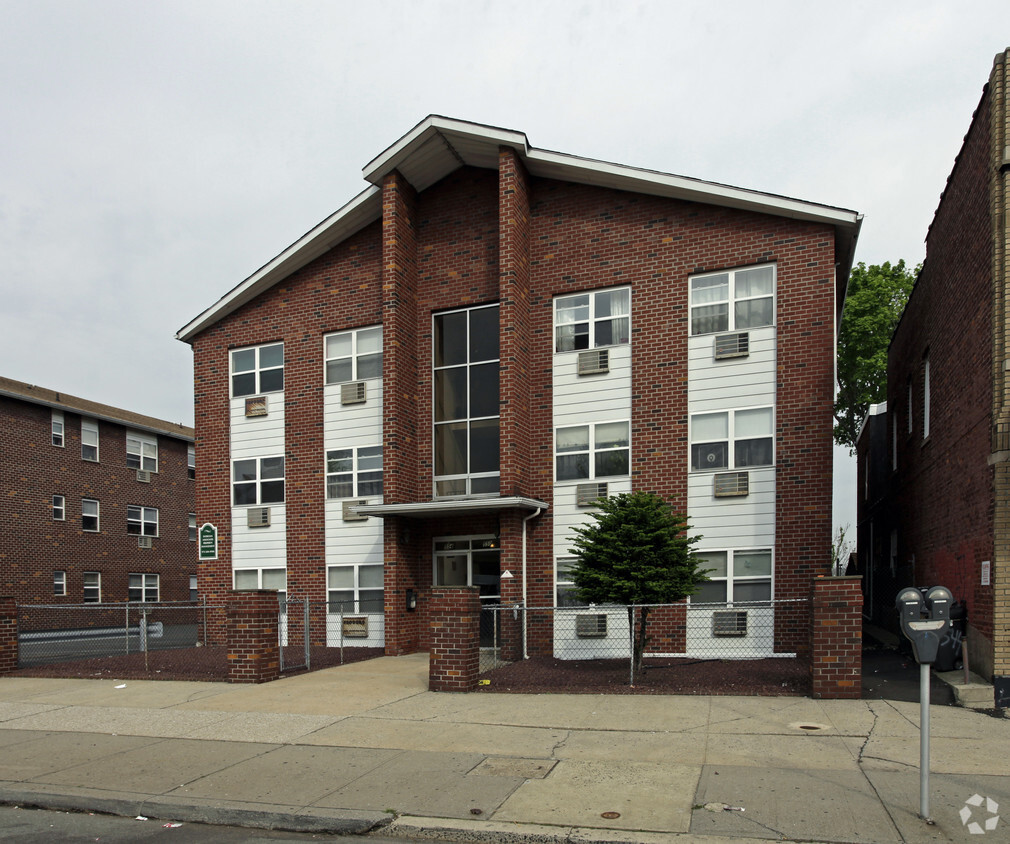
x: 154, y: 154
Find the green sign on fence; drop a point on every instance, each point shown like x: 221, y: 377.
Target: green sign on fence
x: 208, y: 542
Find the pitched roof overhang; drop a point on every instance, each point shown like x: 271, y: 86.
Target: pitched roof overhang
x: 437, y: 146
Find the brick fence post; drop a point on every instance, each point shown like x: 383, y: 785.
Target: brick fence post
x: 836, y: 637
x: 253, y: 655
x: 454, y: 659
x: 8, y: 635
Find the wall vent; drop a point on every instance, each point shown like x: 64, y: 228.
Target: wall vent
x: 145, y: 542
x: 350, y: 510
x: 258, y: 517
x: 586, y: 495
x: 731, y: 484
x: 729, y: 623
x: 594, y: 362
x: 256, y: 406
x: 355, y: 627
x: 735, y: 345
x: 592, y: 626
x: 144, y: 476
x: 353, y: 393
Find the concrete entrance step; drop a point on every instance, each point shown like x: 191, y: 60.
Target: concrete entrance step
x: 975, y: 694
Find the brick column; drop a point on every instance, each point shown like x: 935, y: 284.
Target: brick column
x: 455, y: 639
x: 836, y: 637
x: 252, y: 637
x: 8, y: 635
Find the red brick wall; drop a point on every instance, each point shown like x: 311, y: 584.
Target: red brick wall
x: 836, y: 637
x: 943, y: 488
x: 455, y: 639
x: 33, y: 546
x: 252, y: 637
x: 8, y: 635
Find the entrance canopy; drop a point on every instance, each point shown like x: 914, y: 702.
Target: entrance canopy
x: 450, y: 507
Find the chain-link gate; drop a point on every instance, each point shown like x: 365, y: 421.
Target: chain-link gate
x: 293, y: 634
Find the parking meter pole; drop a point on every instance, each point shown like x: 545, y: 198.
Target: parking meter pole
x: 924, y: 742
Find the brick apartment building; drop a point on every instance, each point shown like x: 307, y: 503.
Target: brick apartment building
x: 935, y: 461
x: 97, y: 502
x: 432, y: 386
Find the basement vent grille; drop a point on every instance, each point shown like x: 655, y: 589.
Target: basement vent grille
x: 731, y: 484
x: 729, y: 623
x: 594, y: 362
x: 732, y: 345
x: 258, y: 517
x: 586, y: 495
x: 591, y: 626
x: 353, y: 393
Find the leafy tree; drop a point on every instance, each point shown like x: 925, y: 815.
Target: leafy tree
x: 874, y: 303
x: 635, y: 551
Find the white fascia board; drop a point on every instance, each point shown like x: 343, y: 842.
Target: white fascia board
x: 431, y: 509
x: 340, y: 225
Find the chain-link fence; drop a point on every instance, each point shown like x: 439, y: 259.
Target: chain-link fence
x: 55, y: 633
x: 740, y: 630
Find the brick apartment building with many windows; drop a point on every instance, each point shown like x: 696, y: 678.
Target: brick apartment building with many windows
x: 97, y: 503
x: 433, y: 385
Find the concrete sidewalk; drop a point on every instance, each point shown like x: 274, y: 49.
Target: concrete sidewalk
x: 351, y: 748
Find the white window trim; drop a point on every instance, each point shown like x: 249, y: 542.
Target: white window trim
x: 355, y: 473
x: 259, y: 578
x: 142, y: 445
x: 144, y: 587
x: 731, y: 579
x: 90, y: 426
x: 60, y: 582
x: 353, y: 356
x: 469, y: 549
x: 194, y: 530
x: 730, y: 440
x: 592, y: 320
x: 60, y: 508
x: 732, y: 299
x: 58, y: 429
x: 191, y: 461
x: 97, y: 515
x: 592, y: 451
x: 259, y: 480
x: 98, y: 585
x: 257, y: 369
x: 341, y: 607
x: 140, y: 516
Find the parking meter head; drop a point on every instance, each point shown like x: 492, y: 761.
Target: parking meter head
x: 938, y: 602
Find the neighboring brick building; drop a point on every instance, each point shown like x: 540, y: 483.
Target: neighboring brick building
x: 431, y: 386
x: 946, y: 517
x: 97, y: 502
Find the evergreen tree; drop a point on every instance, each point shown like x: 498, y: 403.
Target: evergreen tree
x: 635, y: 551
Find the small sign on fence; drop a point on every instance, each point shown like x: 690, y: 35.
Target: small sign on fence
x: 208, y: 542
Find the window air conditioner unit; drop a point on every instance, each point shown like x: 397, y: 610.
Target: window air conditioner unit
x: 731, y: 484
x: 594, y: 362
x: 144, y: 476
x: 145, y: 541
x: 258, y: 517
x: 587, y: 494
x: 353, y: 393
x: 735, y: 345
x: 256, y: 406
x: 350, y: 511
x: 591, y: 626
x: 729, y: 623
x: 355, y: 627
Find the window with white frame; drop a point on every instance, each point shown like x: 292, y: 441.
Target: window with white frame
x: 59, y: 508
x: 734, y: 439
x: 193, y: 592
x: 92, y: 587
x: 925, y: 397
x: 733, y: 300
x: 59, y: 583
x: 141, y: 521
x: 141, y: 451
x: 354, y: 472
x: 90, y: 515
x: 738, y: 575
x: 89, y: 440
x: 466, y: 402
x: 57, y: 428
x: 598, y: 450
x: 588, y: 320
x: 143, y: 588
x: 353, y: 355
x: 192, y: 527
x: 565, y: 593
x: 258, y: 481
x: 191, y: 461
x: 262, y: 578
x: 355, y: 588
x: 257, y: 370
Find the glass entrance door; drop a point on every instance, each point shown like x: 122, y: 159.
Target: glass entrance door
x: 471, y: 561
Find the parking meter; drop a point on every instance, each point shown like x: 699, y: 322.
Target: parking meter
x: 924, y: 620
